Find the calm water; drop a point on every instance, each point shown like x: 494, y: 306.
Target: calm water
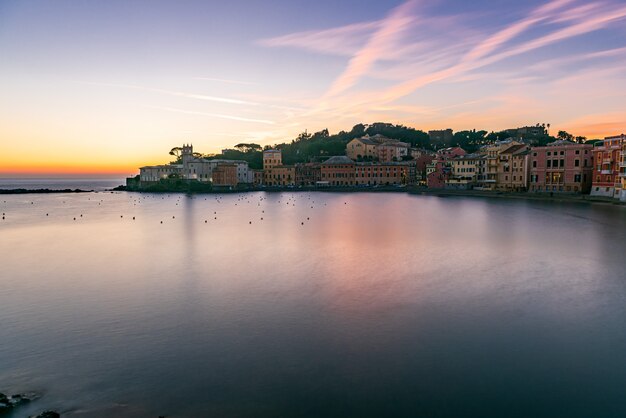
x: 61, y: 184
x: 378, y: 305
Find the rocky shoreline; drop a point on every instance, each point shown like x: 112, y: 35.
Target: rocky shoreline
x: 9, y: 403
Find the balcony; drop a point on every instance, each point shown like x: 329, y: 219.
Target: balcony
x: 606, y: 172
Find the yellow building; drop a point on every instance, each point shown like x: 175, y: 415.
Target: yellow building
x: 272, y: 158
x: 282, y: 175
x: 513, y: 169
x: 492, y: 164
x: 360, y: 148
x: 465, y: 171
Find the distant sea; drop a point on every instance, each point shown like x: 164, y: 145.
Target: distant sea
x: 97, y: 184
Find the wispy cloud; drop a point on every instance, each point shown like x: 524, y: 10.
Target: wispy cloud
x: 345, y: 40
x: 213, y: 115
x: 175, y: 93
x: 383, y: 39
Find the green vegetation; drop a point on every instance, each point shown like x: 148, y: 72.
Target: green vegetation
x: 307, y: 147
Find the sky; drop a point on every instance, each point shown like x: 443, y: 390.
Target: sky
x: 103, y: 87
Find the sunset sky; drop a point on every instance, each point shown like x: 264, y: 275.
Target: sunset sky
x: 102, y: 87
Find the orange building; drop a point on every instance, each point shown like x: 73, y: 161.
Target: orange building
x: 338, y: 171
x: 372, y: 174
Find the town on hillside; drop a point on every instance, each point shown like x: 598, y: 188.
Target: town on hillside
x: 511, y: 164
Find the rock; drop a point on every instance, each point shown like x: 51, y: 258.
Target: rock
x: 48, y: 414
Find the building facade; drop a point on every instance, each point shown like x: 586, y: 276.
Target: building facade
x: 384, y: 174
x: 338, y: 171
x: 225, y: 174
x: 513, y: 169
x: 491, y: 165
x: 607, y: 157
x: 308, y: 174
x: 561, y: 167
x: 464, y: 171
x: 622, y: 172
x: 194, y: 167
x: 361, y: 148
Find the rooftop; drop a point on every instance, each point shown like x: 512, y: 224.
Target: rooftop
x: 338, y: 159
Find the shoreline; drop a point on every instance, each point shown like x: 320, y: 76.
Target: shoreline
x: 413, y: 190
x: 556, y: 197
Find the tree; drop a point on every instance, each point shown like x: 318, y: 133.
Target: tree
x: 565, y: 136
x: 248, y: 147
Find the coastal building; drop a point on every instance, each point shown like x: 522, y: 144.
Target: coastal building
x: 392, y: 151
x: 282, y: 175
x: 154, y: 173
x: 384, y: 174
x: 607, y: 157
x: 361, y: 148
x: 377, y: 147
x: 451, y: 152
x: 464, y: 171
x: 274, y: 172
x: 561, y: 167
x: 308, y: 174
x: 338, y: 171
x: 489, y: 178
x: 513, y: 169
x: 272, y: 158
x: 437, y: 173
x: 257, y: 177
x: 622, y: 172
x: 193, y: 166
x: 225, y: 174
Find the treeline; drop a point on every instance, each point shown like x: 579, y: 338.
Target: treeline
x: 310, y: 147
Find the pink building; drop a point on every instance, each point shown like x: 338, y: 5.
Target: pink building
x: 561, y: 167
x: 438, y: 172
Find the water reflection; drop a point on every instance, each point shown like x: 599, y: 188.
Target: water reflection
x: 332, y: 305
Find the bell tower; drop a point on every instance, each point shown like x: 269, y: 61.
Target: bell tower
x: 187, y: 153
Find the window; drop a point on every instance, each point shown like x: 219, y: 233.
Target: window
x: 561, y: 163
x: 577, y: 152
x: 576, y: 163
x: 534, y: 164
x: 549, y: 163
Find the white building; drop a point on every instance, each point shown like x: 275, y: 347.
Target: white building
x: 194, y: 168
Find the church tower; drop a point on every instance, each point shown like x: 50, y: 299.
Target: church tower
x: 187, y: 154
